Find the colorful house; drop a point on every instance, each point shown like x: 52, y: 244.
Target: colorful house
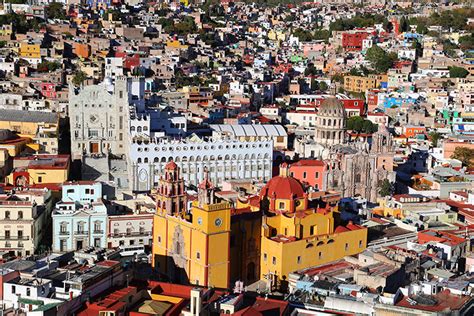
x: 80, y: 218
x: 39, y: 169
x: 310, y: 172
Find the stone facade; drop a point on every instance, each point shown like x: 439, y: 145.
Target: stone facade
x: 353, y: 168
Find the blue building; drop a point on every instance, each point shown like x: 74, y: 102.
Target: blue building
x: 80, y: 218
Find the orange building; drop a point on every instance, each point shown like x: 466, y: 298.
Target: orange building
x: 412, y: 131
x: 309, y: 172
x: 82, y: 50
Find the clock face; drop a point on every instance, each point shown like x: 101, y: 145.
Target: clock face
x: 218, y: 222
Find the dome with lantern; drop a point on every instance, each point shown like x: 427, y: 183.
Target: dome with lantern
x: 284, y: 193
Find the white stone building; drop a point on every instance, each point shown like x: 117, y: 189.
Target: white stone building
x: 226, y: 158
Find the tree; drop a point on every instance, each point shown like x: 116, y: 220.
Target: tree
x: 380, y: 60
x: 360, y: 125
x: 464, y: 154
x: 55, y: 10
x: 355, y: 123
x: 435, y: 137
x: 467, y: 42
x: 314, y: 85
x: 79, y: 78
x: 385, y: 188
x: 323, y: 86
x: 457, y: 72
x: 403, y: 24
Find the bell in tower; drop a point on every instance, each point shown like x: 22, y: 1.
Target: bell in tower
x: 206, y: 190
x: 171, y: 198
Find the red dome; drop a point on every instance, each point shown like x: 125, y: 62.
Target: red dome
x: 283, y: 188
x: 171, y: 165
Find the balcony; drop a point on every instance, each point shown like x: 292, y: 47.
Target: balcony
x: 81, y: 232
x: 133, y: 234
x: 98, y: 231
x: 14, y: 238
x: 64, y: 233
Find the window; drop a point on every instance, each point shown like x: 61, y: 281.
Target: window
x: 13, y: 289
x: 40, y: 179
x: 304, y: 175
x: 97, y: 226
x: 198, y: 255
x: 281, y: 205
x: 311, y: 230
x: 159, y: 239
x: 360, y: 243
x: 274, y: 260
x: 264, y: 257
x: 320, y: 255
x: 28, y: 291
x: 7, y: 214
x: 316, y: 175
x: 298, y: 260
x: 69, y: 191
x: 346, y: 247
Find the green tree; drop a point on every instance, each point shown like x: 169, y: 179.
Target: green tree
x: 380, y: 60
x: 404, y: 25
x: 55, y: 10
x: 467, y: 42
x: 385, y: 188
x: 323, y: 86
x: 435, y: 137
x: 464, y: 154
x: 355, y: 123
x: 314, y: 85
x: 457, y: 72
x: 79, y: 78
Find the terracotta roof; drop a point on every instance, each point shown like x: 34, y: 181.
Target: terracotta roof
x: 283, y: 188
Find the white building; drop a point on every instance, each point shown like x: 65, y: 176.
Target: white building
x: 224, y: 157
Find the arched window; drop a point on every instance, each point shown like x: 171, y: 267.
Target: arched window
x: 139, y: 160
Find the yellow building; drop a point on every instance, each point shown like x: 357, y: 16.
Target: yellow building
x: 191, y: 247
x: 39, y: 169
x: 28, y: 50
x: 362, y: 84
x: 266, y: 236
x: 41, y: 127
x: 298, y: 233
x: 212, y: 244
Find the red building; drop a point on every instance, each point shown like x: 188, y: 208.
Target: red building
x: 310, y: 172
x: 353, y: 41
x: 48, y: 90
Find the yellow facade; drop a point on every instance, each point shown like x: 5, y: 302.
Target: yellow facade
x: 191, y: 247
x: 297, y: 233
x: 45, y: 175
x: 214, y: 244
x: 29, y: 129
x: 362, y: 84
x: 185, y: 250
x: 30, y: 50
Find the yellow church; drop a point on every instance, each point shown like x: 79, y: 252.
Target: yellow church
x: 300, y: 232
x: 266, y: 236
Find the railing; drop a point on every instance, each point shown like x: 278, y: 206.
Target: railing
x: 14, y: 238
x: 98, y: 231
x: 134, y: 234
x: 81, y: 232
x: 63, y: 233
